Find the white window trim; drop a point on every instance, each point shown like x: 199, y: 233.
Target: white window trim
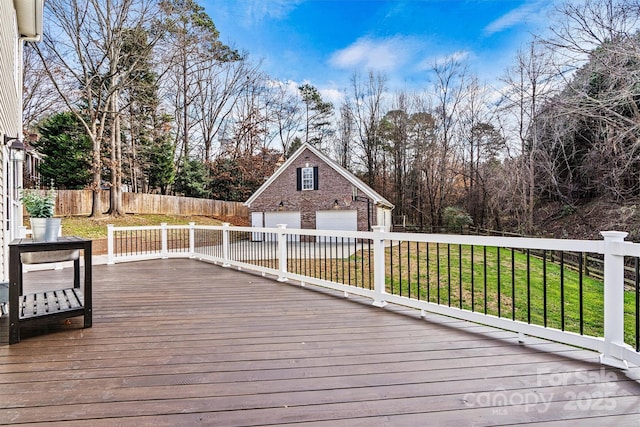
x: 307, y: 179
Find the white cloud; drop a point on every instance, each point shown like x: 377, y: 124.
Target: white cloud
x: 332, y: 95
x: 523, y: 14
x: 257, y: 10
x: 375, y: 54
x: 457, y: 56
x: 292, y: 88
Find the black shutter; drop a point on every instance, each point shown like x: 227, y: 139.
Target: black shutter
x: 299, y: 179
x: 315, y: 177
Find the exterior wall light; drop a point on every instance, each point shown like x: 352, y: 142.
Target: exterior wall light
x: 17, y: 149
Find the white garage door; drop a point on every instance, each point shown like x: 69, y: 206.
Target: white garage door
x: 272, y: 219
x: 337, y: 220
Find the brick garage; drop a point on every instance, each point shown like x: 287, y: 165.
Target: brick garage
x: 310, y: 189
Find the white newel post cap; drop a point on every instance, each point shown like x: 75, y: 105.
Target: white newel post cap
x: 614, y: 235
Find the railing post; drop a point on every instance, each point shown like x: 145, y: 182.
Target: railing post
x: 225, y: 244
x: 164, y: 252
x: 192, y: 239
x: 613, y: 300
x: 110, y: 254
x: 378, y: 266
x: 282, y: 252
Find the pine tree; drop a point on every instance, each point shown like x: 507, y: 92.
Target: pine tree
x: 318, y: 114
x: 66, y: 149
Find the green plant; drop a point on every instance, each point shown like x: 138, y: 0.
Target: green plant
x: 455, y: 218
x: 567, y: 210
x: 66, y: 150
x: 37, y: 204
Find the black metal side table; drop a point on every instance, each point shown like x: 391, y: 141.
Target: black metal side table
x: 55, y: 304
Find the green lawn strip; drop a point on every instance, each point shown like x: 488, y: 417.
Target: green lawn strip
x: 445, y: 277
x: 96, y: 228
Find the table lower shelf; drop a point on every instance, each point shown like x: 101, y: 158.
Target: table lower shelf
x: 55, y: 305
x: 62, y: 302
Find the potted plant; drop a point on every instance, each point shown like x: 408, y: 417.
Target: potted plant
x: 40, y: 207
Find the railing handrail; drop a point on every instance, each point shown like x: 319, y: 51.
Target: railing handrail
x: 593, y: 246
x: 153, y: 227
x: 614, y: 351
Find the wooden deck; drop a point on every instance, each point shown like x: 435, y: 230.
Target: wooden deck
x: 182, y: 342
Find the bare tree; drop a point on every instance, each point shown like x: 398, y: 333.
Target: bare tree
x: 286, y: 114
x: 481, y: 142
x: 592, y: 128
x: 219, y: 86
x: 529, y: 83
x: 449, y: 92
x: 248, y: 125
x: 424, y: 165
x: 190, y: 46
x: 366, y: 108
x: 83, y: 61
x: 39, y: 96
x: 581, y: 27
x: 394, y: 131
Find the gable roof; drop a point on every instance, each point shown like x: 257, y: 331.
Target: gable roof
x: 357, y: 183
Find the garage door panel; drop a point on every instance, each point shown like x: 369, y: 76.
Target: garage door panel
x: 290, y: 218
x: 340, y: 220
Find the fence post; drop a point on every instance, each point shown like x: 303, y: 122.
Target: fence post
x: 225, y: 244
x: 110, y: 254
x: 613, y: 300
x: 378, y: 266
x: 282, y: 252
x: 192, y: 239
x: 164, y: 252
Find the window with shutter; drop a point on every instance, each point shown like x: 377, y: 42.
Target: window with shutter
x: 307, y: 179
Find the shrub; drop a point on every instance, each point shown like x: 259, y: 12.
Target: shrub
x: 455, y: 218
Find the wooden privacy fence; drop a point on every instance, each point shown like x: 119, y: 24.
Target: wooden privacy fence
x: 79, y: 202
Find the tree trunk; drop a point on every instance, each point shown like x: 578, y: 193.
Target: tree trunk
x: 116, y: 161
x: 185, y: 110
x: 96, y: 206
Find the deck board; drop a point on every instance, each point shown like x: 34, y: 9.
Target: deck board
x: 182, y: 342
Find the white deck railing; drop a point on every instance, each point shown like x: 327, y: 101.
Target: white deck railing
x: 301, y: 255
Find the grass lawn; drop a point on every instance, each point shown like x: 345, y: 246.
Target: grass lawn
x: 97, y: 228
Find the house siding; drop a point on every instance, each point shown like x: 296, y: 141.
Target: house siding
x: 10, y: 108
x: 331, y: 187
x: 9, y: 105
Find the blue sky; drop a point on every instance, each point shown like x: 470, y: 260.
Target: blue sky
x: 324, y: 41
